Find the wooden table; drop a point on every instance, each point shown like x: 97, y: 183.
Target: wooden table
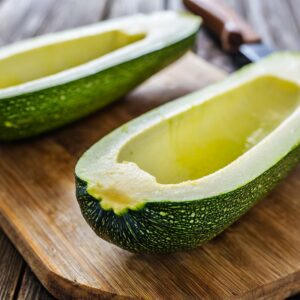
x: 277, y: 21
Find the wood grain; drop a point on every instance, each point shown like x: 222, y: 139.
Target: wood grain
x: 31, y: 289
x: 123, y: 8
x: 258, y: 257
x: 11, y: 266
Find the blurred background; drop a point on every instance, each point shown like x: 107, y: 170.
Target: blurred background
x: 276, y: 21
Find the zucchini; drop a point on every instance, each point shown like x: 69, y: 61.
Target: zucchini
x: 50, y: 81
x: 179, y: 175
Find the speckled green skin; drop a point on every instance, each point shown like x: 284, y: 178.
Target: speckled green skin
x: 31, y: 114
x: 168, y: 226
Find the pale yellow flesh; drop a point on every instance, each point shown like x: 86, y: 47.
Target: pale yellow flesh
x: 211, y: 135
x: 54, y: 58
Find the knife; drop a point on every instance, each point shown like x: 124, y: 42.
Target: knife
x: 236, y: 36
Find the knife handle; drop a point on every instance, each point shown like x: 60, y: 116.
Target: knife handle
x: 231, y: 29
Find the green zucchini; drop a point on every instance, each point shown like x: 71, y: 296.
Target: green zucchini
x: 53, y: 80
x: 179, y: 175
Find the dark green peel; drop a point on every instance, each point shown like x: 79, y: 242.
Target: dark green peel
x: 168, y: 226
x: 34, y: 113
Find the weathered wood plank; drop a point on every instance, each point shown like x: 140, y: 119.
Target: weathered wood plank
x: 75, y: 13
x: 34, y: 17
x: 272, y: 18
x: 11, y: 265
x: 175, y: 4
x: 31, y: 289
x: 123, y: 8
x: 238, y: 6
x: 280, y: 29
x: 295, y: 13
x: 11, y: 20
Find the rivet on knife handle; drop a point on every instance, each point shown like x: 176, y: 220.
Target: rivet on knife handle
x: 224, y: 22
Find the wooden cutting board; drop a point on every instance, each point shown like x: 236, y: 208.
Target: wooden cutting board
x: 256, y: 258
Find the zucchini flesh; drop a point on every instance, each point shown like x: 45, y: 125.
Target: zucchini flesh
x: 207, y: 137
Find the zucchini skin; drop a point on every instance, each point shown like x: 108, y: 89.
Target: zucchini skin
x: 169, y: 226
x: 31, y: 114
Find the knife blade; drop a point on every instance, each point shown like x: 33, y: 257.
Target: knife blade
x: 236, y: 36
